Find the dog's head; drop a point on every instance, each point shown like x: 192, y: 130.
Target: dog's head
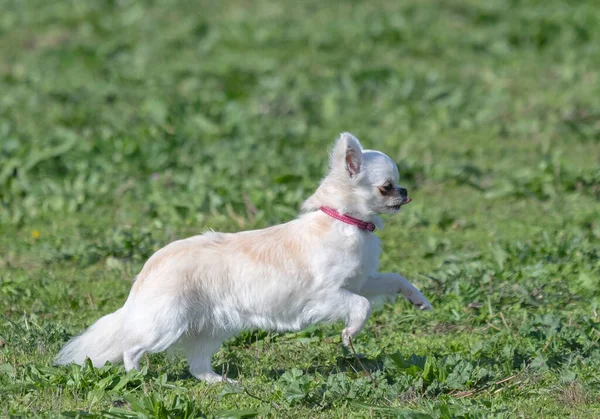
x: 362, y: 182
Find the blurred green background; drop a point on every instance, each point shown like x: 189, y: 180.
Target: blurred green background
x: 125, y: 125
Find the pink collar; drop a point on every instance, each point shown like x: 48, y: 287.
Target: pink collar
x: 363, y: 225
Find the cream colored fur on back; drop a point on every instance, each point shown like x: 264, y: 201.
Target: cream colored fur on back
x: 200, y: 291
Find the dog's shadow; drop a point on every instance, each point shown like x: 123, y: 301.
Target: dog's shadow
x: 346, y: 362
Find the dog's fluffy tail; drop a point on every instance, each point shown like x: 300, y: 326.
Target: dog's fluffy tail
x: 101, y: 342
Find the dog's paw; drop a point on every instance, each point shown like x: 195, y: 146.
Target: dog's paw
x: 419, y: 301
x: 213, y: 378
x: 346, y: 337
x: 414, y: 296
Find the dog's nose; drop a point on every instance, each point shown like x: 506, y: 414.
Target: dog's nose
x: 403, y: 192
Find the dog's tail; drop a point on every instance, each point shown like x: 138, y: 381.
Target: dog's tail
x: 101, y: 342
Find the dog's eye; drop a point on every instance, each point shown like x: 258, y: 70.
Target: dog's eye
x: 386, y: 188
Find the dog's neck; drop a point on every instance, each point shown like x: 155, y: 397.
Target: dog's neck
x: 325, y: 198
x: 362, y: 225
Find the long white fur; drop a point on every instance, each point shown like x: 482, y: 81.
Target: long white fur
x: 197, y: 292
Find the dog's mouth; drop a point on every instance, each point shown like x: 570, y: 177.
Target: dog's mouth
x: 398, y: 206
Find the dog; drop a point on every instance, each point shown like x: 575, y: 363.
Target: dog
x: 195, y: 293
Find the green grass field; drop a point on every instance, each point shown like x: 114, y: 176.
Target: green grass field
x: 125, y: 125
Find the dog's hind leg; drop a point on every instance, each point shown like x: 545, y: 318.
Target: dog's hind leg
x: 199, y: 350
x: 150, y: 329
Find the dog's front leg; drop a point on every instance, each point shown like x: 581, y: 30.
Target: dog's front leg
x: 353, y: 309
x: 391, y: 284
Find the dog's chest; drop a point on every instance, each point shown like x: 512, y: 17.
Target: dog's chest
x: 350, y: 262
x: 367, y: 260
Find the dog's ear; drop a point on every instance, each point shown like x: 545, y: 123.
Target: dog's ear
x: 347, y: 155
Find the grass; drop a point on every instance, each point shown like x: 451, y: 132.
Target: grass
x: 125, y: 125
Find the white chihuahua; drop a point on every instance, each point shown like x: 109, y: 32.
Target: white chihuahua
x: 321, y: 267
